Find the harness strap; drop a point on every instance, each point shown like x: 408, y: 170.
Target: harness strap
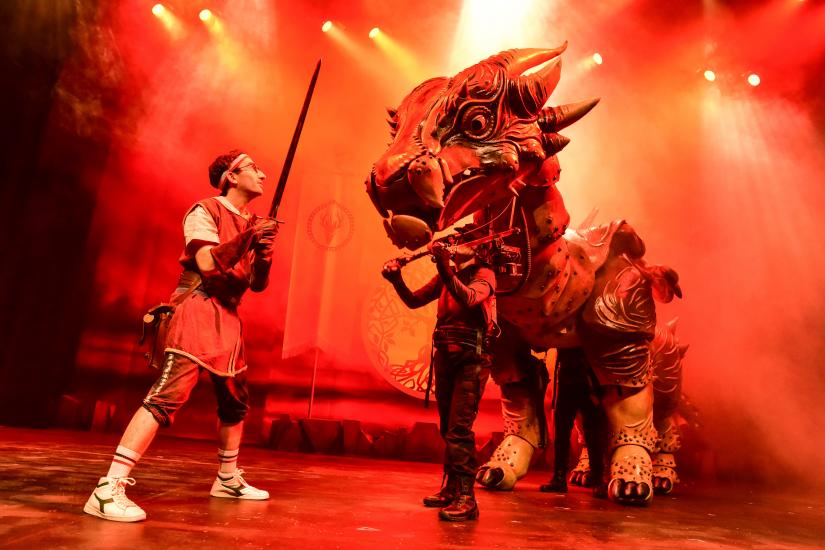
x: 192, y: 281
x: 430, y: 379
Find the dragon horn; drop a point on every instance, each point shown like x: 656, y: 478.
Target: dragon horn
x: 535, y: 88
x: 530, y: 92
x: 553, y: 119
x: 521, y: 59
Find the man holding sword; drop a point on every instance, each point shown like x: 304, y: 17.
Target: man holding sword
x: 227, y: 250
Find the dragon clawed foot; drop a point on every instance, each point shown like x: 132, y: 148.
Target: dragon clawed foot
x: 580, y: 478
x: 631, y: 476
x: 665, y: 477
x: 581, y: 474
x: 496, y: 478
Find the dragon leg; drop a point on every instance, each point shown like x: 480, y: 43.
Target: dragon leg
x: 581, y: 473
x: 667, y: 355
x: 522, y: 434
x: 633, y: 439
x: 665, y: 476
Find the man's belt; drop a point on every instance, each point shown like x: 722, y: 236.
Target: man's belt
x: 189, y: 279
x: 471, y: 338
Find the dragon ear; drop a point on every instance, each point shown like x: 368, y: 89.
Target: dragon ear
x: 553, y: 119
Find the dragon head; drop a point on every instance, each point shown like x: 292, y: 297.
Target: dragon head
x: 462, y: 143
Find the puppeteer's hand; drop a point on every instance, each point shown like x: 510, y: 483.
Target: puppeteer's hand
x: 391, y: 270
x: 440, y: 251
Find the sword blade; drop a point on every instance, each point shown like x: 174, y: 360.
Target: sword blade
x: 293, y: 146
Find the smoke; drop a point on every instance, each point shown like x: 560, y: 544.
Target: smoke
x: 723, y: 181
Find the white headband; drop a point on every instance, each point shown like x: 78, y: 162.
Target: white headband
x: 240, y: 158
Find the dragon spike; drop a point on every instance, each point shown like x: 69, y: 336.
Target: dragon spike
x: 587, y: 223
x: 464, y: 91
x: 553, y: 143
x: 553, y: 119
x: 518, y: 60
x: 683, y: 349
x: 671, y: 325
x: 392, y: 112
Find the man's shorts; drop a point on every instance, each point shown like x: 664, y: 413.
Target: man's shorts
x: 176, y: 382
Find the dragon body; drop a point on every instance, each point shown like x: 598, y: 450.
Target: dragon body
x: 482, y: 143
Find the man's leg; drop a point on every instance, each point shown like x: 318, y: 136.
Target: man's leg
x: 594, y: 424
x: 136, y: 439
x: 229, y: 445
x: 443, y: 397
x: 470, y: 378
x: 233, y: 404
x: 168, y: 393
x: 567, y: 396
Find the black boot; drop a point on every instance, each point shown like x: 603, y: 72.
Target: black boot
x: 464, y: 507
x: 446, y: 495
x: 556, y: 485
x: 599, y: 484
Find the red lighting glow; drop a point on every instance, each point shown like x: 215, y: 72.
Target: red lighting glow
x: 205, y: 15
x: 158, y: 9
x: 597, y: 58
x: 753, y: 79
x: 374, y: 32
x: 326, y: 26
x: 710, y: 76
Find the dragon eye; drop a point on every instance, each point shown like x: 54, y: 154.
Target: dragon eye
x: 478, y: 122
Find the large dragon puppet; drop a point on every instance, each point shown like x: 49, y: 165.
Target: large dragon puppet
x: 482, y: 143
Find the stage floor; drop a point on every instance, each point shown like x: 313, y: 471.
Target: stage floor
x: 340, y: 502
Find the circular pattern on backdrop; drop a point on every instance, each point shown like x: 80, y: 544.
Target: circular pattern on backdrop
x: 398, y: 339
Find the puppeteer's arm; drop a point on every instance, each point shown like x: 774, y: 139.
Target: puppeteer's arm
x: 416, y: 299
x: 468, y: 295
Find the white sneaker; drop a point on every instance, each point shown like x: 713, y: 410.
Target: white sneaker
x: 235, y: 486
x: 109, y: 501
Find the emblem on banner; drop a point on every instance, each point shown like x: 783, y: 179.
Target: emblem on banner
x: 330, y: 225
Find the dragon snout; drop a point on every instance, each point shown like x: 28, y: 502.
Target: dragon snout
x: 427, y: 175
x: 410, y: 197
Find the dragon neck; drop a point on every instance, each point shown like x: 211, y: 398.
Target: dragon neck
x: 543, y: 212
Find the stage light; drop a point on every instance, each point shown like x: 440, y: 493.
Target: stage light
x: 753, y: 79
x: 399, y: 55
x: 326, y: 26
x: 205, y: 15
x: 168, y: 19
x: 710, y: 76
x: 597, y: 58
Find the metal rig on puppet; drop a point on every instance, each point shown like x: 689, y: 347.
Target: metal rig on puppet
x: 482, y: 143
